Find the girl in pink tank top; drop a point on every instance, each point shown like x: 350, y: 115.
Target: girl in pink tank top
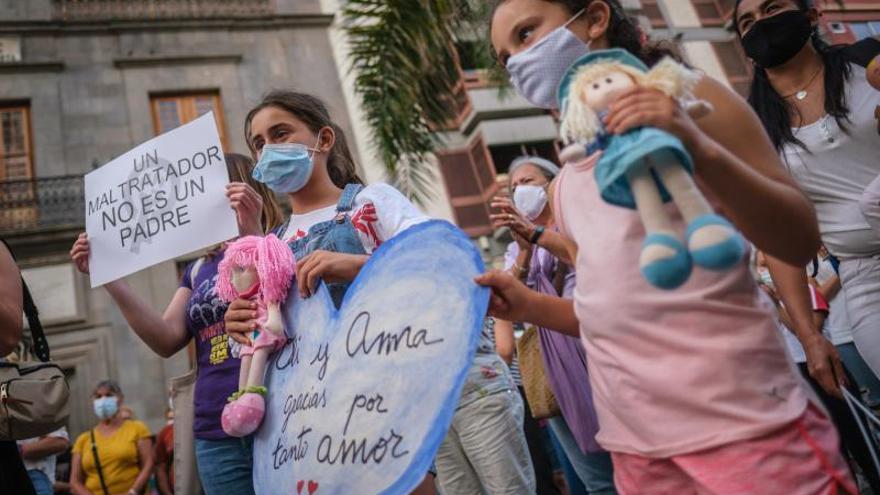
x: 692, y: 386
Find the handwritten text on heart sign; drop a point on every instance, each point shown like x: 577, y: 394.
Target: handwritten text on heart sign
x: 360, y: 398
x: 341, y: 448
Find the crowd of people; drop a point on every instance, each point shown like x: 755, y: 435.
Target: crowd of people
x: 582, y: 366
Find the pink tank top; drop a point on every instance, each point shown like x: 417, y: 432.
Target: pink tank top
x: 675, y: 371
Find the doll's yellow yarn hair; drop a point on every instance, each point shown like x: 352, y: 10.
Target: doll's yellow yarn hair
x: 580, y: 122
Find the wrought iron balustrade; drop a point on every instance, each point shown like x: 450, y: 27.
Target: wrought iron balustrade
x: 145, y: 10
x: 36, y: 204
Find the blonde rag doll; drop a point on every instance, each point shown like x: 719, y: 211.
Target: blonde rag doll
x: 261, y: 269
x: 645, y: 167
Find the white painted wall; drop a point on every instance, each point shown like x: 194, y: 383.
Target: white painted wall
x: 54, y: 292
x: 518, y: 130
x: 681, y: 13
x: 371, y: 166
x: 700, y: 54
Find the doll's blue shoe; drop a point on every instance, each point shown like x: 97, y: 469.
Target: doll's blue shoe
x: 721, y: 255
x: 670, y: 272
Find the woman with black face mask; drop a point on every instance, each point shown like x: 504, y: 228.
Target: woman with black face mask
x: 818, y: 107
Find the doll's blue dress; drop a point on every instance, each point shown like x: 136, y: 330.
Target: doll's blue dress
x: 638, y: 148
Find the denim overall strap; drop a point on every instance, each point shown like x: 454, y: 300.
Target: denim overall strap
x: 337, y: 235
x: 345, y: 204
x: 346, y: 200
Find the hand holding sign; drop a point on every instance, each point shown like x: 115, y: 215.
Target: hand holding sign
x: 362, y: 397
x: 162, y: 199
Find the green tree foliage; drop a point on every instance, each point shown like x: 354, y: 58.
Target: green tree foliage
x: 406, y: 71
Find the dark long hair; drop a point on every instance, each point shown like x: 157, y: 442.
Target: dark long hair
x: 773, y: 109
x: 623, y: 30
x: 313, y: 113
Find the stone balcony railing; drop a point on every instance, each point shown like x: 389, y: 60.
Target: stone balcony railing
x: 146, y: 10
x: 40, y: 204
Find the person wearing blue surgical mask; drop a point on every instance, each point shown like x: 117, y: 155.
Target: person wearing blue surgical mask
x: 303, y: 154
x: 336, y: 221
x: 116, y: 455
x: 336, y: 224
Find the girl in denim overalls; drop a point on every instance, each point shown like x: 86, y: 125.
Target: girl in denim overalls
x: 337, y: 222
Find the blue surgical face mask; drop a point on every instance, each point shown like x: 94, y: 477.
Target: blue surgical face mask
x: 106, y: 407
x: 536, y: 71
x: 285, y: 167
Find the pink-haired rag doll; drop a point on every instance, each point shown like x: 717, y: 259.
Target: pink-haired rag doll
x: 260, y: 269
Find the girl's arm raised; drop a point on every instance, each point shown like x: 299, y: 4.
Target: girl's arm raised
x: 165, y: 334
x: 736, y: 161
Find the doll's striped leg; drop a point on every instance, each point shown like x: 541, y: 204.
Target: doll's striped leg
x: 664, y: 261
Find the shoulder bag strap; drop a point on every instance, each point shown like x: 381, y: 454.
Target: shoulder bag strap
x: 41, y: 346
x: 98, y: 462
x: 346, y: 200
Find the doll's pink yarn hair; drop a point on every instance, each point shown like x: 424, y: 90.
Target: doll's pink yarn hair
x: 271, y: 257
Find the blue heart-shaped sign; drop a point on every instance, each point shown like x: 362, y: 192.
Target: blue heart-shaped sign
x: 361, y: 398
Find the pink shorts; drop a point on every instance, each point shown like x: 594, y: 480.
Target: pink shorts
x: 265, y: 338
x: 803, y: 458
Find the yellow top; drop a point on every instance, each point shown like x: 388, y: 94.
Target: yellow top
x: 118, y: 454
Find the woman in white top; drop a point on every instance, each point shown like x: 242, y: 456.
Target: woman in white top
x: 818, y: 109
x: 838, y: 329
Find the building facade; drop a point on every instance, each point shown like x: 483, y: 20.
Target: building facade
x: 82, y: 81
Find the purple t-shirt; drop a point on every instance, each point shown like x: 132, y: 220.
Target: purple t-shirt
x: 218, y: 371
x: 564, y: 358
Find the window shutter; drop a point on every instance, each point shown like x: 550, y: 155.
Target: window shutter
x: 735, y: 65
x: 171, y: 111
x: 470, y: 180
x: 15, y: 143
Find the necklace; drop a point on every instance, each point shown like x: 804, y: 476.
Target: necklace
x: 800, y: 95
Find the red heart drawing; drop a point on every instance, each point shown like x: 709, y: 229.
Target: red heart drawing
x: 313, y: 487
x: 299, y: 486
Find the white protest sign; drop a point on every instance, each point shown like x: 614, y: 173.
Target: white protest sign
x: 360, y: 398
x: 162, y: 199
